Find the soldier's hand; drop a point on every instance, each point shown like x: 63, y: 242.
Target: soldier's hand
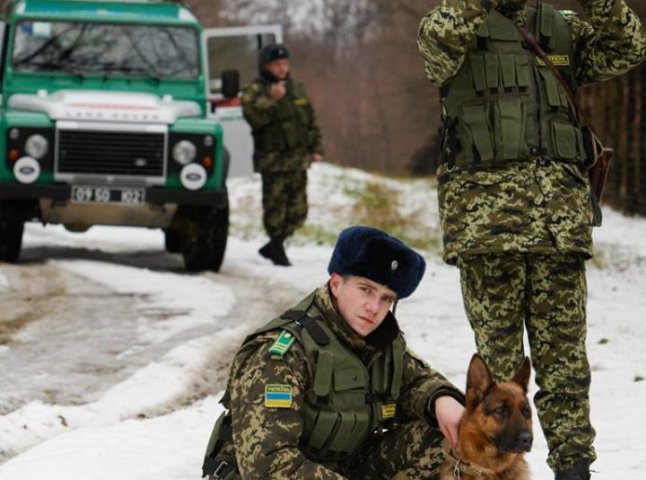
x: 448, y: 412
x: 316, y: 157
x: 278, y: 90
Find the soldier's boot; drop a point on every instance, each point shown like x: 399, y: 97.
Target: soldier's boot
x: 580, y: 471
x: 279, y: 256
x: 267, y: 251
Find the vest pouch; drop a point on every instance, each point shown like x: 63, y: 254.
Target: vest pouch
x: 509, y: 129
x: 556, y: 96
x: 477, y: 62
x: 492, y: 71
x: 350, y: 379
x: 346, y: 436
x: 564, y: 140
x: 271, y: 140
x: 508, y: 68
x: 322, y: 429
x: 523, y: 75
x: 290, y: 135
x: 477, y: 132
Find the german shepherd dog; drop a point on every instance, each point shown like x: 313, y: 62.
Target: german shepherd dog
x: 495, y: 430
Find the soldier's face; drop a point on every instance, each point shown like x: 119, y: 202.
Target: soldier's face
x: 278, y: 68
x: 361, y: 302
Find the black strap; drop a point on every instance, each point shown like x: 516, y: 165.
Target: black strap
x: 308, y: 323
x: 316, y: 332
x: 225, y: 433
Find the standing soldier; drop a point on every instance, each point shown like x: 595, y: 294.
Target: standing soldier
x: 329, y: 391
x: 515, y: 203
x: 286, y: 140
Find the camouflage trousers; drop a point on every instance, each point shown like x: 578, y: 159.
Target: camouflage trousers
x: 284, y: 202
x: 546, y: 295
x: 410, y: 451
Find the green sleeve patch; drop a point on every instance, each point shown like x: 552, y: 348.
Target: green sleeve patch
x: 282, y: 343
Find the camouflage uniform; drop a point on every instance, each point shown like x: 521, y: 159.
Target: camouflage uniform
x: 520, y: 230
x: 285, y: 135
x: 268, y: 442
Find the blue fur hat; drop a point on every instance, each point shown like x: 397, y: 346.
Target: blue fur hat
x: 373, y: 254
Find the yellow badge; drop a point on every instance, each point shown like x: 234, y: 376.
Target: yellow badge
x: 557, y: 60
x: 278, y: 396
x: 388, y: 410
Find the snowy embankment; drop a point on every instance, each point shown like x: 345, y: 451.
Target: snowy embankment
x: 152, y: 418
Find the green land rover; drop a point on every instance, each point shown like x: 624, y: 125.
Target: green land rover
x: 110, y: 115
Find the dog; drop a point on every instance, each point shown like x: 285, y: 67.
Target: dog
x: 495, y: 430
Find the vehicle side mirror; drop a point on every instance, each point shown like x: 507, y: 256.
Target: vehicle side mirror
x: 230, y: 83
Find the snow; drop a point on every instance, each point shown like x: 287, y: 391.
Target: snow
x: 155, y: 422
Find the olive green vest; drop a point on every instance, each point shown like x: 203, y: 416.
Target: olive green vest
x: 504, y: 104
x: 290, y: 131
x: 348, y: 401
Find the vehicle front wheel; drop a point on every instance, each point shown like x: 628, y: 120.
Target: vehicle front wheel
x: 203, y: 245
x: 10, y: 239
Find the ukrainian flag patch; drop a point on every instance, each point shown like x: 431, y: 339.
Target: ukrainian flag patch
x: 282, y: 343
x: 278, y: 396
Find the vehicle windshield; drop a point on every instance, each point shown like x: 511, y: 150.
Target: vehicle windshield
x: 104, y: 49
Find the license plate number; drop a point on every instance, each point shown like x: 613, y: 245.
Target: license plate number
x: 122, y: 195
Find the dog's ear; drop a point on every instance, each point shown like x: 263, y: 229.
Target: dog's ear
x: 479, y: 379
x: 522, y: 375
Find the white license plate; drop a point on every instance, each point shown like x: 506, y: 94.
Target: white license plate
x: 94, y: 194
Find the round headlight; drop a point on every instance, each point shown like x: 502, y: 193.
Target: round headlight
x: 184, y: 152
x: 37, y: 146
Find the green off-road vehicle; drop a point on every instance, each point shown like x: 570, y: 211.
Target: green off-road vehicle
x: 113, y: 113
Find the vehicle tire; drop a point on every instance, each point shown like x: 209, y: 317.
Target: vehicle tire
x: 10, y: 239
x: 172, y: 241
x: 204, y: 249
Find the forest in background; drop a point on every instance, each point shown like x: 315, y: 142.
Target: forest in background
x: 361, y: 67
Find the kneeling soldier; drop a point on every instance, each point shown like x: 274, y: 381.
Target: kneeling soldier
x: 328, y: 390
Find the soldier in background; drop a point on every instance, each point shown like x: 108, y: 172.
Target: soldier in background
x: 515, y: 204
x: 328, y: 390
x: 286, y: 140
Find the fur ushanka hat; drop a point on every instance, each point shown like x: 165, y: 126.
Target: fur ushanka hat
x: 382, y: 258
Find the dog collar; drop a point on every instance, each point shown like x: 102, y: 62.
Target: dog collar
x: 460, y: 467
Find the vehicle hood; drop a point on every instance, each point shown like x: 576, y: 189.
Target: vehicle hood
x: 103, y: 106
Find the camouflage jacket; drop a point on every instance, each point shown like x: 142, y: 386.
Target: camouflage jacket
x: 266, y: 440
x: 285, y: 131
x: 538, y: 206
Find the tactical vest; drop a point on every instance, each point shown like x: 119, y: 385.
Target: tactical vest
x: 290, y: 130
x: 504, y: 104
x: 348, y: 402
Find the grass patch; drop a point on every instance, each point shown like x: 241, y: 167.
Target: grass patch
x: 380, y: 206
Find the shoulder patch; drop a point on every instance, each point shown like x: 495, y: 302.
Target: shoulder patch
x: 278, y: 396
x: 282, y: 344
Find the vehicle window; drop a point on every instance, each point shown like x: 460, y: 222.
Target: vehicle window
x: 105, y: 49
x: 236, y: 52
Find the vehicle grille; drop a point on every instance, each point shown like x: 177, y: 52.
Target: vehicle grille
x: 111, y: 153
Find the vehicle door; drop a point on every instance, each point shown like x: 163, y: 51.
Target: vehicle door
x: 227, y: 50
